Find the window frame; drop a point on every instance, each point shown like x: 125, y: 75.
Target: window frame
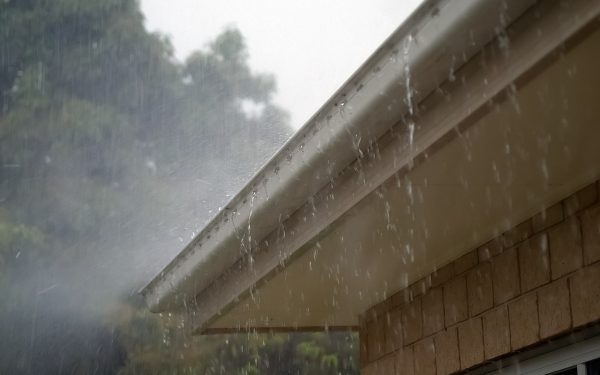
x: 575, y: 355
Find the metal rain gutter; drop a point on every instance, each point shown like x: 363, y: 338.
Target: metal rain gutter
x: 422, y: 53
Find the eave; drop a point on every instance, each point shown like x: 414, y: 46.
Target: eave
x: 318, y: 169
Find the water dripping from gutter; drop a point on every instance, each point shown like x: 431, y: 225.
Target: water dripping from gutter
x: 251, y: 258
x: 409, y: 93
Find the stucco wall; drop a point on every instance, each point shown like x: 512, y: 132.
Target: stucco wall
x: 537, y: 281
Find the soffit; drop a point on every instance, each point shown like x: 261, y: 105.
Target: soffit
x: 525, y: 153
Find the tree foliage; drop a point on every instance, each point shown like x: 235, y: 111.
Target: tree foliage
x: 106, y: 140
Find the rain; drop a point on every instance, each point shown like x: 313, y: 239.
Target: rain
x: 363, y: 188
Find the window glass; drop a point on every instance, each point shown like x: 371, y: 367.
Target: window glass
x: 593, y: 367
x: 569, y: 371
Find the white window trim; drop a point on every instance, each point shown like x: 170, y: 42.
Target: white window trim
x: 574, y: 355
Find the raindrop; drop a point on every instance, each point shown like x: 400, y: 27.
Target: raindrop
x: 411, y: 133
x: 544, y: 167
x: 409, y: 91
x: 451, y: 76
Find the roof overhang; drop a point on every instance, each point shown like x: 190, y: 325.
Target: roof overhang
x: 403, y: 170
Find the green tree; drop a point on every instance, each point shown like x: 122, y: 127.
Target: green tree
x: 107, y: 143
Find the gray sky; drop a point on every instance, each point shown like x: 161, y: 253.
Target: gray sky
x: 311, y: 46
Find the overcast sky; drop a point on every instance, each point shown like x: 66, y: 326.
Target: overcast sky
x: 311, y: 46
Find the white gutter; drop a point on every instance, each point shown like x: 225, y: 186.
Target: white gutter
x: 436, y: 40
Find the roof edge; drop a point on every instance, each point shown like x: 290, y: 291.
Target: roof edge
x: 432, y: 43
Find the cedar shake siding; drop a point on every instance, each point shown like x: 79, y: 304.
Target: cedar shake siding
x: 535, y: 282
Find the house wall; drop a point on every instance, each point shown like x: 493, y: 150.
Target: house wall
x: 535, y: 282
